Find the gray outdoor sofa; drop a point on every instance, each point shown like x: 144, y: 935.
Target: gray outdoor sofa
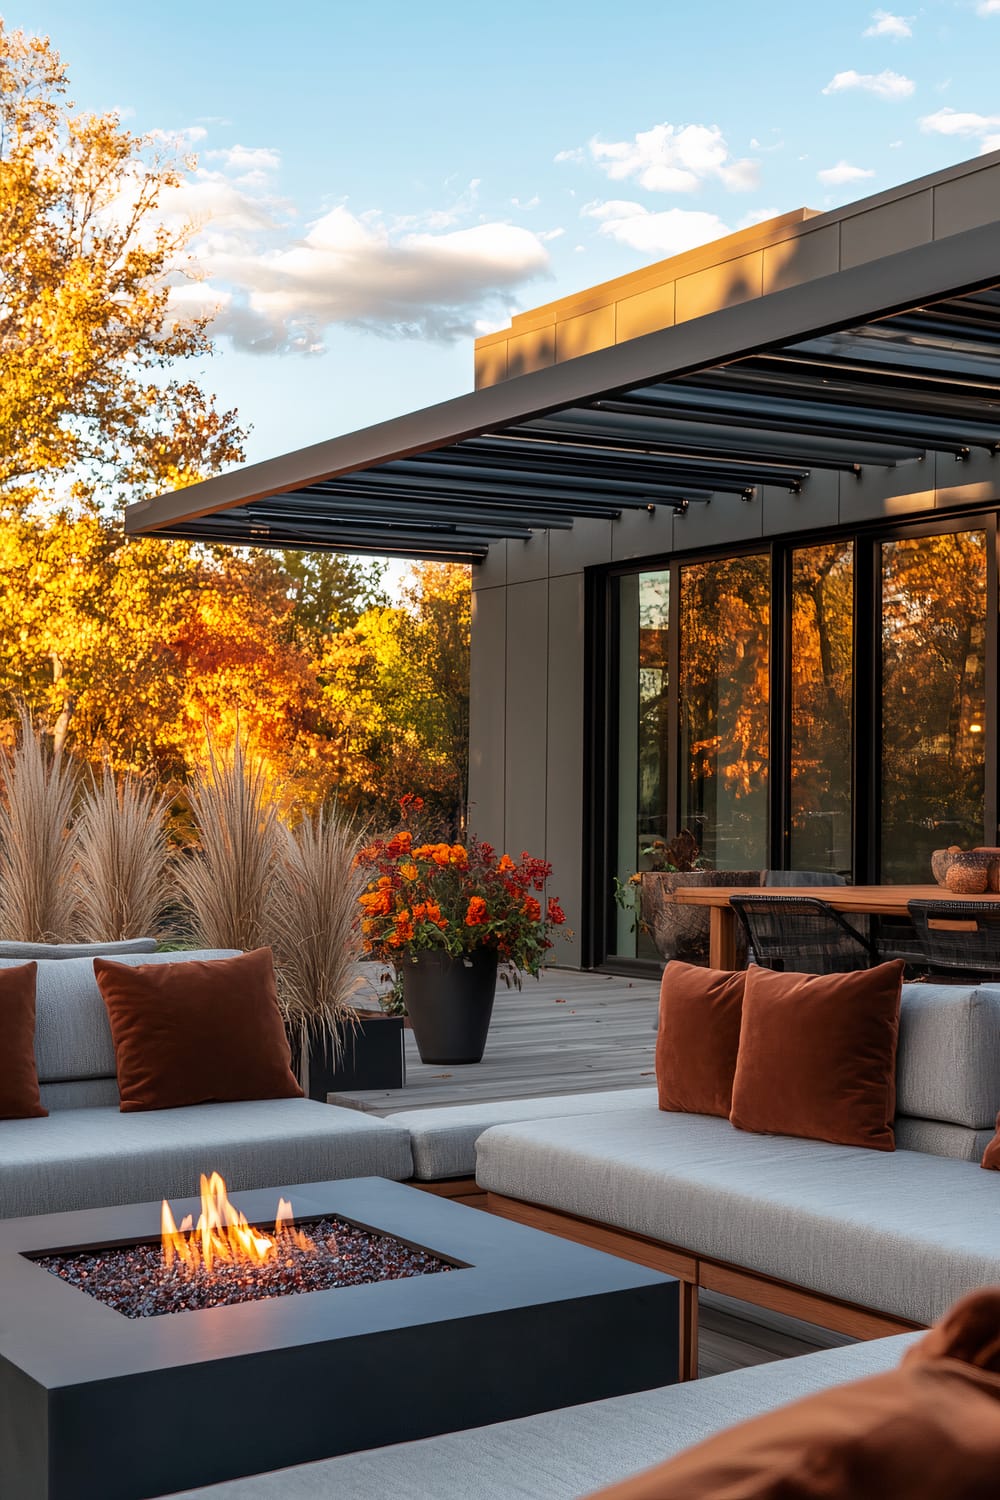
x: 880, y: 1241
x: 87, y: 1154
x: 561, y: 1455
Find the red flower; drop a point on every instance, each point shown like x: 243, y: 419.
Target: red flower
x: 532, y: 909
x: 476, y: 914
x: 556, y: 914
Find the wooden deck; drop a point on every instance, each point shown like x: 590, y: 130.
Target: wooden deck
x: 565, y: 1033
x: 568, y: 1033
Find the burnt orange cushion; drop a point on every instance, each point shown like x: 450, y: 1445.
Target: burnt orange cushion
x: 195, y: 1033
x: 698, y: 1038
x: 929, y: 1430
x: 817, y: 1055
x: 19, y: 1097
x: 991, y: 1156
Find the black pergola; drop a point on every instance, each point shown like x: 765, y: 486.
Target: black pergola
x: 875, y: 366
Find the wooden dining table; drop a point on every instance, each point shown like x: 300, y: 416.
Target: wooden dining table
x: 873, y: 900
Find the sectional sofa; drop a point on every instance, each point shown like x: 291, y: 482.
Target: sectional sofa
x: 873, y: 1244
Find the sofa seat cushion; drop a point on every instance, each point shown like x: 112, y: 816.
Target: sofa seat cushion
x: 90, y: 1158
x: 444, y: 1138
x: 900, y: 1232
x: 559, y: 1455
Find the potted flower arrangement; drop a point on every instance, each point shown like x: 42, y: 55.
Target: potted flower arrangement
x: 450, y: 918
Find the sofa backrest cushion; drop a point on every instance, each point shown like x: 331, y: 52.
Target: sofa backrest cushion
x: 948, y: 1064
x: 197, y: 1032
x: 72, y: 1035
x: 19, y: 1098
x: 24, y: 951
x: 817, y: 1055
x: 698, y: 1038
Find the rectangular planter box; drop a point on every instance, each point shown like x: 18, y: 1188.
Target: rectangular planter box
x: 372, y: 1057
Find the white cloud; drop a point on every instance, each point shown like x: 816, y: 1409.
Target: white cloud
x: 576, y: 153
x: 988, y: 8
x: 665, y: 233
x: 884, y: 23
x: 672, y: 159
x: 250, y: 165
x: 180, y: 140
x: 843, y: 172
x: 885, y: 85
x: 965, y: 123
x: 950, y: 121
x: 350, y: 269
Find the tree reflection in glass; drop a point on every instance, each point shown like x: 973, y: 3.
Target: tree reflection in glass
x: 724, y: 694
x: 933, y: 698
x: 821, y: 719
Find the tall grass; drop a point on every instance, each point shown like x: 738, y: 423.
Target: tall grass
x: 37, y: 894
x: 227, y: 882
x: 318, y: 942
x: 120, y: 875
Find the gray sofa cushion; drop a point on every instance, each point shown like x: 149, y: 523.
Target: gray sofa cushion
x: 444, y: 1139
x: 23, y: 952
x: 938, y: 1138
x: 561, y: 1455
x: 89, y: 1158
x: 948, y: 1065
x: 899, y: 1231
x: 77, y: 1093
x: 72, y: 1035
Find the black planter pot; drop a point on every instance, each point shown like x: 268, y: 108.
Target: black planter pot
x: 372, y: 1056
x: 449, y: 1002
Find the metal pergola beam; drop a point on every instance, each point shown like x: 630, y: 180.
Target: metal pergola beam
x: 851, y: 299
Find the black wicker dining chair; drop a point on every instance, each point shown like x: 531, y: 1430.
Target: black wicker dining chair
x: 803, y: 935
x: 958, y: 938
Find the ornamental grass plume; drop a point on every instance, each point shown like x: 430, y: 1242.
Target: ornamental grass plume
x: 317, y: 934
x: 227, y: 880
x: 120, y: 850
x: 37, y: 895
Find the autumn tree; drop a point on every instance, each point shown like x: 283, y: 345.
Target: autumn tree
x: 395, y: 692
x: 88, y: 342
x: 125, y: 649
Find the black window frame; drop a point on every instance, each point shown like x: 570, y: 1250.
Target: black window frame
x: 601, y: 699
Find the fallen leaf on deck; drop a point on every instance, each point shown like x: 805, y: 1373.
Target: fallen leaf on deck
x: 560, y: 1002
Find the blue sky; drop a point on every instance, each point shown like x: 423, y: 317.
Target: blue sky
x: 376, y: 183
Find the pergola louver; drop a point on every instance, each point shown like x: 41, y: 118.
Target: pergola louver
x: 877, y: 366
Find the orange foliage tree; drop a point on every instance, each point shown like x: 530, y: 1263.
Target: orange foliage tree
x: 125, y: 650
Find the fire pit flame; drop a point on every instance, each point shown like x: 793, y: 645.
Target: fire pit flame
x: 222, y: 1233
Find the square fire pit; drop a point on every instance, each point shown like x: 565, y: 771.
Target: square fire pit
x: 96, y: 1403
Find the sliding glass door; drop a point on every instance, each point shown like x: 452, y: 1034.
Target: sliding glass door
x: 823, y: 705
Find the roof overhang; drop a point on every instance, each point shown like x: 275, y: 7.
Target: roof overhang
x: 876, y: 365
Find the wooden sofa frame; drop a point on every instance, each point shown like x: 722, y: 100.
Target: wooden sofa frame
x: 694, y: 1272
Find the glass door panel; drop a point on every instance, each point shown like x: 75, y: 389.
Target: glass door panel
x: 725, y: 611
x: 933, y: 646
x: 643, y: 748
x: 821, y: 683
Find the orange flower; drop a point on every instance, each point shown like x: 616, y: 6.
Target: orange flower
x: 532, y: 909
x: 506, y: 864
x: 476, y: 914
x: 441, y: 854
x: 457, y: 855
x: 409, y: 871
x: 376, y: 903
